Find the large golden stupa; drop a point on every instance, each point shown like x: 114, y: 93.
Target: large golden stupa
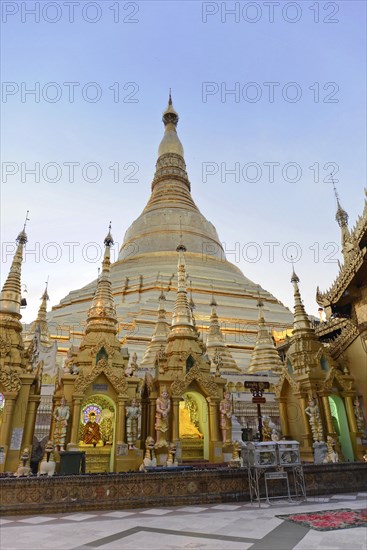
x: 147, y: 265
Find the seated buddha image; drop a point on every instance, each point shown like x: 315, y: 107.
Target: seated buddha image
x: 187, y: 430
x: 92, y: 432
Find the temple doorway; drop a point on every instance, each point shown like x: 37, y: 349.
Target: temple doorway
x: 341, y: 426
x: 97, y: 433
x: 194, y: 426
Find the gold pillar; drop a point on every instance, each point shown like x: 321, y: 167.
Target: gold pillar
x: 30, y: 420
x: 77, y: 405
x: 144, y: 420
x: 350, y: 413
x: 283, y: 416
x: 214, y: 420
x: 120, y: 424
x: 175, y: 419
x: 8, y: 415
x: 152, y: 407
x: 327, y: 411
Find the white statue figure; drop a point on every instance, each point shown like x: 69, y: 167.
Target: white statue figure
x: 171, y: 459
x: 163, y: 408
x: 149, y: 456
x: 313, y: 413
x: 133, y: 366
x: 48, y: 464
x: 132, y: 419
x: 24, y: 468
x: 358, y: 414
x: 332, y: 455
x: 225, y: 409
x: 61, y: 416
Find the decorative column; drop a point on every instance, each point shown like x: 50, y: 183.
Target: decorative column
x: 327, y: 411
x: 144, y: 421
x: 350, y: 413
x: 120, y: 422
x: 213, y: 419
x: 77, y: 405
x: 175, y: 418
x: 152, y: 409
x: 33, y: 402
x: 282, y: 401
x: 5, y: 432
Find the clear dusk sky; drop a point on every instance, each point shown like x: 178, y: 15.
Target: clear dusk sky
x: 101, y: 72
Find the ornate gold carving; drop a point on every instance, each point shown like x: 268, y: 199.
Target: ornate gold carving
x: 84, y: 380
x: 5, y: 347
x: 355, y: 260
x: 335, y: 374
x: 10, y: 380
x: 205, y: 381
x: 103, y: 343
x: 296, y: 387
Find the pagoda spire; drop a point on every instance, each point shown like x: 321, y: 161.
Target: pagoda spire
x: 41, y: 320
x: 160, y: 334
x: 300, y: 318
x: 102, y: 313
x: 161, y: 329
x: 342, y: 217
x: 264, y: 357
x: 10, y: 296
x: 170, y: 142
x: 182, y: 322
x: 215, y: 342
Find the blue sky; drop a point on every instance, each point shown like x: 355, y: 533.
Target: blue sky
x: 169, y: 45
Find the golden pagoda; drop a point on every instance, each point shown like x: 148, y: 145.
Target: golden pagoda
x: 147, y: 264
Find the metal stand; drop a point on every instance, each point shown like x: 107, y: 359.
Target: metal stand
x: 255, y: 474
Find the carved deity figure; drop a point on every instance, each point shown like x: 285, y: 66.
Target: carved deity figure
x: 92, y: 432
x: 133, y: 367
x: 266, y: 429
x: 24, y: 468
x: 48, y: 464
x: 313, y: 413
x: 358, y: 414
x: 163, y: 408
x: 331, y: 455
x: 61, y: 416
x: 225, y: 409
x: 171, y: 458
x: 149, y: 456
x: 132, y: 419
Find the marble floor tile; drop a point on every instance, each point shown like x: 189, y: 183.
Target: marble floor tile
x: 191, y: 509
x: 117, y: 514
x: 79, y: 517
x: 225, y: 507
x: 36, y: 520
x: 344, y: 497
x: 157, y: 511
x: 216, y: 527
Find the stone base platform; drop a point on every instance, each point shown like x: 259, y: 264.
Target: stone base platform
x: 139, y: 490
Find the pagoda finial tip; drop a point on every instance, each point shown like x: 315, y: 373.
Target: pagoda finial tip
x: 109, y: 239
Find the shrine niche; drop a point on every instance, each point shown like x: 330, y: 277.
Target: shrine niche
x: 97, y: 430
x: 193, y: 426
